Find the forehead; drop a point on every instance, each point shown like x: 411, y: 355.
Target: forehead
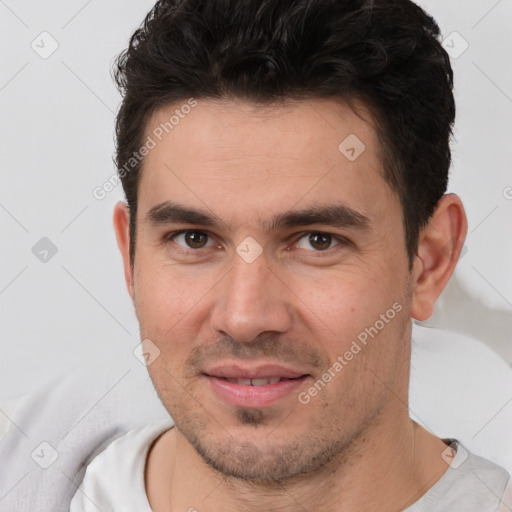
x: 238, y: 158
x: 231, y: 128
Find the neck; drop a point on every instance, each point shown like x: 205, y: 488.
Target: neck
x: 388, y: 467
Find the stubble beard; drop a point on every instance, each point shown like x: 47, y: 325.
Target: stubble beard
x: 314, y: 450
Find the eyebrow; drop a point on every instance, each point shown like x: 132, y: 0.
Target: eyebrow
x: 338, y: 215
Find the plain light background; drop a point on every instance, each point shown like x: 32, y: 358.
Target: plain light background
x: 56, y: 132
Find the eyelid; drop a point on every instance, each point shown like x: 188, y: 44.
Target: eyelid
x: 342, y: 240
x: 169, y: 238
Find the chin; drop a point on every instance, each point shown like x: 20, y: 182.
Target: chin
x: 257, y: 451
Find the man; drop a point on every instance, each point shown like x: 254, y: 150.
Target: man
x: 285, y: 167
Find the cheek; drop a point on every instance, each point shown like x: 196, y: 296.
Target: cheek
x: 359, y: 322
x: 173, y: 309
x: 344, y: 303
x: 162, y: 298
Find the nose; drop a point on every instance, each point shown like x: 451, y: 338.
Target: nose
x: 251, y: 299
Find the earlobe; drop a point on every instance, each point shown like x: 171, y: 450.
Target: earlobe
x: 121, y: 220
x: 439, y: 248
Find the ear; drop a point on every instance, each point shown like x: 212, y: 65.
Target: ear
x: 439, y: 246
x: 122, y: 230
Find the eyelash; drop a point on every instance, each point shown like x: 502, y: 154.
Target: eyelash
x: 169, y: 238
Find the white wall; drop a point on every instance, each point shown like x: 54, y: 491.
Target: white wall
x: 57, y: 144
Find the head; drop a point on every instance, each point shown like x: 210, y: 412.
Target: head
x: 284, y: 166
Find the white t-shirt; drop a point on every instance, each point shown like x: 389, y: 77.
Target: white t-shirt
x: 114, y: 480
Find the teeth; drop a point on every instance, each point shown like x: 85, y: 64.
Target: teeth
x: 264, y: 382
x: 242, y: 382
x: 255, y: 382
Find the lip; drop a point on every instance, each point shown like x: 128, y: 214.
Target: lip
x: 248, y: 396
x: 262, y: 371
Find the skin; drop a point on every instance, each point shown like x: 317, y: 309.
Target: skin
x: 353, y: 447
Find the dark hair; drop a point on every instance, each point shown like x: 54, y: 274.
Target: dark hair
x: 386, y: 53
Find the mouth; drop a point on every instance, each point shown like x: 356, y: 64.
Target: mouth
x: 258, y: 381
x: 254, y: 387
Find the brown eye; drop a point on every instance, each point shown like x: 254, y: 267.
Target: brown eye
x: 319, y: 241
x: 195, y: 239
x: 192, y: 239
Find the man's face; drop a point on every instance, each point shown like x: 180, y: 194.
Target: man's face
x: 248, y: 297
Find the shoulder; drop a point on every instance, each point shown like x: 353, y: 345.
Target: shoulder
x: 471, y: 483
x: 114, y: 480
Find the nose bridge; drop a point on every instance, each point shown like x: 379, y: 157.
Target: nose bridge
x: 247, y: 280
x: 251, y: 300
